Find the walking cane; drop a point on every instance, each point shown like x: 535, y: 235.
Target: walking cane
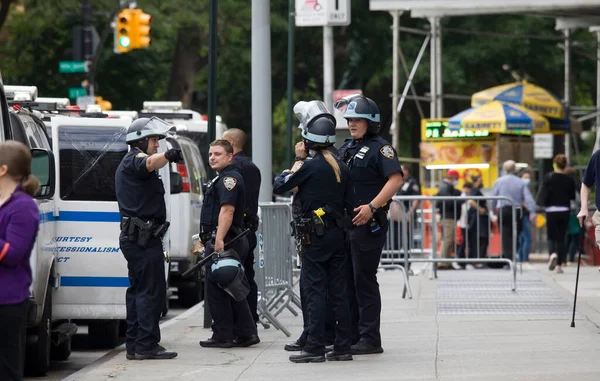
x: 581, y: 236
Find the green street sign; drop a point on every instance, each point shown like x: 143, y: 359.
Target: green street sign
x: 76, y: 92
x: 73, y: 67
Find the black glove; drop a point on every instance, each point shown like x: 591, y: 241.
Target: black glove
x: 174, y: 155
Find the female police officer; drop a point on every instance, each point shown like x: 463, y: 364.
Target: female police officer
x: 376, y: 176
x: 140, y: 195
x: 324, y: 193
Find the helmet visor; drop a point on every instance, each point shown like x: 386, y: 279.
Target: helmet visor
x: 158, y: 127
x: 307, y: 111
x: 342, y: 103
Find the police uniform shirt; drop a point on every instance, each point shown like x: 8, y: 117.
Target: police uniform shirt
x: 409, y: 188
x: 140, y: 193
x: 317, y: 185
x: 371, y: 161
x: 227, y: 188
x: 251, y: 175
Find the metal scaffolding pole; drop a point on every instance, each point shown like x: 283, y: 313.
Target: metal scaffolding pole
x: 438, y: 69
x: 567, y: 98
x: 597, y: 144
x: 432, y: 68
x: 328, y: 67
x: 395, y: 84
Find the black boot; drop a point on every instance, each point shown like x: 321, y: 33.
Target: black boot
x: 362, y: 348
x: 213, y: 343
x: 159, y: 353
x: 246, y: 341
x: 338, y: 356
x: 296, y: 346
x: 307, y: 357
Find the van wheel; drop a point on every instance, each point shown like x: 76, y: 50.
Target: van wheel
x: 104, y: 334
x: 62, y: 351
x: 37, y: 351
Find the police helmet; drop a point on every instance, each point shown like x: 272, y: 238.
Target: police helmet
x: 228, y: 273
x: 317, y: 124
x: 360, y: 107
x: 144, y: 128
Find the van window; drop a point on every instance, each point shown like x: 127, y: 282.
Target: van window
x: 35, y: 134
x: 201, y: 140
x: 89, y: 157
x: 191, y: 162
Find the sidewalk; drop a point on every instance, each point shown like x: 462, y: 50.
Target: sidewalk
x: 466, y: 325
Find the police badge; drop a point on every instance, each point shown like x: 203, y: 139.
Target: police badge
x: 387, y: 151
x: 229, y: 182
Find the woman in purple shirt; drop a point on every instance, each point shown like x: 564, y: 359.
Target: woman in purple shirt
x: 19, y: 221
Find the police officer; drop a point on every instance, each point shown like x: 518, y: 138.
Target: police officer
x: 323, y: 192
x: 140, y: 195
x: 251, y: 175
x: 376, y: 175
x: 221, y: 220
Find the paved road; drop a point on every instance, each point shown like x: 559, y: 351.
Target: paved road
x: 82, y: 355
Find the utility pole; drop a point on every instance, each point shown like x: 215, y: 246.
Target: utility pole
x: 88, y: 53
x: 290, y: 82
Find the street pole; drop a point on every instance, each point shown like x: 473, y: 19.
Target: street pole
x: 433, y: 68
x: 290, y: 83
x: 261, y: 96
x: 86, y: 10
x: 395, y: 85
x: 567, y: 88
x: 328, y: 69
x: 212, y: 107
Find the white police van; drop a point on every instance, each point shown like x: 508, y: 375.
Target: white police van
x: 79, y: 273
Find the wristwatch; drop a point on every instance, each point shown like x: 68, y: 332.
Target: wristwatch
x: 298, y: 158
x: 373, y: 209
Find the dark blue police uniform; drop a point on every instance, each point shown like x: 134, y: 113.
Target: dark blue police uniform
x: 324, y: 260
x: 227, y: 188
x: 371, y: 161
x: 251, y: 175
x: 141, y: 194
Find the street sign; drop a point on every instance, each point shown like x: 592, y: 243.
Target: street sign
x: 86, y: 100
x: 76, y: 92
x: 322, y: 12
x: 73, y: 66
x: 543, y: 146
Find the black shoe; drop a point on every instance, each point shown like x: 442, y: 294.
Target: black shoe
x: 362, y: 348
x: 295, y: 346
x: 130, y: 356
x: 338, y: 356
x: 245, y: 341
x: 160, y: 354
x: 212, y: 343
x: 328, y: 348
x: 307, y: 357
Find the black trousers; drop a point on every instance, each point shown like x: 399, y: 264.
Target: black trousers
x: 231, y: 319
x: 366, y: 249
x: 558, y: 224
x: 249, y: 271
x: 324, y: 283
x: 145, y: 296
x: 507, y: 230
x: 12, y: 341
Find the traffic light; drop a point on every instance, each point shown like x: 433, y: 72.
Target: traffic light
x: 123, y: 31
x: 141, y: 30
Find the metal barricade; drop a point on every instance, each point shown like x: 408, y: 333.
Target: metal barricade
x: 275, y: 264
x: 431, y: 228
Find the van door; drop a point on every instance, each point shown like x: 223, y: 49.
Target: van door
x: 91, y: 270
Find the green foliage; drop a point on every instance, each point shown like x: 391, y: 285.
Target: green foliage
x: 36, y: 40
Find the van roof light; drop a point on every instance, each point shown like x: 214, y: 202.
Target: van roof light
x: 60, y: 102
x: 93, y: 108
x: 30, y: 92
x: 160, y: 105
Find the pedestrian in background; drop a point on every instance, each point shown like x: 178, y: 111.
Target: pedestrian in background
x: 511, y: 186
x: 557, y: 192
x: 449, y: 215
x: 526, y: 237
x: 19, y: 223
x: 574, y: 229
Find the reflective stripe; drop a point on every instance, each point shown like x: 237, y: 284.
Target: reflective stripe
x: 4, y: 250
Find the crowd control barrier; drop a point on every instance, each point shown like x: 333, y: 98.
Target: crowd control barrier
x: 454, y: 232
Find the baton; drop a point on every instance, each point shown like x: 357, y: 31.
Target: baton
x: 203, y: 261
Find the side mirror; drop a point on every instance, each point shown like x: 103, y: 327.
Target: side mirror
x: 42, y: 167
x: 176, y: 183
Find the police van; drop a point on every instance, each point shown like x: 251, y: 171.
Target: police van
x: 79, y: 272
x: 192, y: 139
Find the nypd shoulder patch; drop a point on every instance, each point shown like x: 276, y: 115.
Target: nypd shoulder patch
x: 229, y: 182
x: 297, y: 166
x: 141, y: 154
x: 387, y: 151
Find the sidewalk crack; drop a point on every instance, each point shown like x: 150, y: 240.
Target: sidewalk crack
x: 256, y: 358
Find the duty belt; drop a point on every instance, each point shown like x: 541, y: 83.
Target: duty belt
x: 136, y: 229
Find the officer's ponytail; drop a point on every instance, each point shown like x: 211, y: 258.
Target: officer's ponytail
x: 334, y: 164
